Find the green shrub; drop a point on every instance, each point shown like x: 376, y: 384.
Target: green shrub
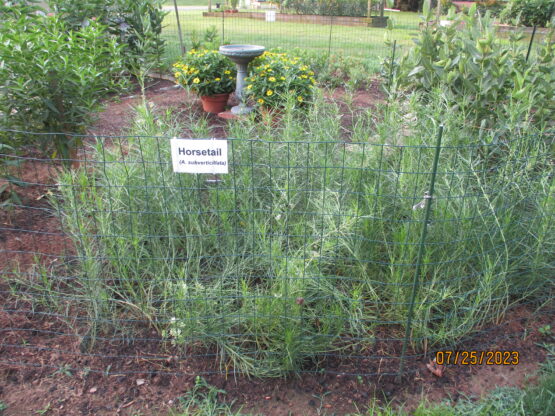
x: 14, y: 8
x: 208, y: 40
x: 78, y: 14
x: 137, y: 24
x: 52, y: 77
x: 337, y: 70
x: 528, y: 12
x: 483, y: 76
x: 494, y: 7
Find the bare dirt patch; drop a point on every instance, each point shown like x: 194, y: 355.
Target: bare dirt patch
x: 58, y: 375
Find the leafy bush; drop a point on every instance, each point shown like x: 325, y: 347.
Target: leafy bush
x: 209, y: 39
x: 494, y: 7
x: 137, y: 24
x: 481, y: 75
x: 276, y: 76
x: 79, y: 13
x: 205, y: 72
x: 13, y: 8
x: 528, y: 12
x: 53, y: 77
x: 337, y: 70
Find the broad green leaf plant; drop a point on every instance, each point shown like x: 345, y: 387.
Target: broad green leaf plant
x: 53, y: 78
x: 485, y: 77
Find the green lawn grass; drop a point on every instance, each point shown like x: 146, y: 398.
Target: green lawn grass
x: 364, y: 42
x: 357, y: 41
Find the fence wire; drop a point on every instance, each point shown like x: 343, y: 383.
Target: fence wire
x: 353, y: 35
x: 308, y: 256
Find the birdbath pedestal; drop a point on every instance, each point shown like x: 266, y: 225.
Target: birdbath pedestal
x: 241, y: 55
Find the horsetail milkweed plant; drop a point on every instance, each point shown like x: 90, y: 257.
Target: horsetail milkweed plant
x: 307, y: 249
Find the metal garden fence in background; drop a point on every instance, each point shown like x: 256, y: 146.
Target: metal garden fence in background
x: 348, y: 36
x: 308, y: 256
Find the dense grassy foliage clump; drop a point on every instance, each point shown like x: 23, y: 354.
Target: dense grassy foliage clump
x: 309, y: 246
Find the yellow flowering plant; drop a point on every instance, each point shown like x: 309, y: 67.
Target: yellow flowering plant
x: 275, y: 76
x: 205, y: 72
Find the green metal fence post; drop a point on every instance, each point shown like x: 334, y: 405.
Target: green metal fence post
x: 183, y: 50
x: 329, y: 40
x: 223, y: 27
x: 416, y: 280
x: 531, y: 43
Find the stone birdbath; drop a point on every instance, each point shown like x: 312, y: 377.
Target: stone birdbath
x: 241, y: 55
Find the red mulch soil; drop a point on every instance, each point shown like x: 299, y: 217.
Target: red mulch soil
x: 63, y: 377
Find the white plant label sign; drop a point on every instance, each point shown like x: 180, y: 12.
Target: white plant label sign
x: 199, y: 156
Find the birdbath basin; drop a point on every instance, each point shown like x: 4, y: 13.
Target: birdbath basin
x: 241, y: 55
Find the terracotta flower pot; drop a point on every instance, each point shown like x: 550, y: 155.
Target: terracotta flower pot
x: 214, y: 103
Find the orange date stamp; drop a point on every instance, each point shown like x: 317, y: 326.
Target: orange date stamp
x: 463, y: 357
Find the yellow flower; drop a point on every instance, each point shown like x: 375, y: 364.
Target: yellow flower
x: 227, y: 72
x: 304, y: 76
x: 177, y: 74
x: 300, y: 99
x: 260, y: 101
x: 217, y: 79
x: 272, y: 79
x: 249, y: 86
x: 269, y: 92
x: 196, y: 81
x: 282, y: 78
x: 311, y: 73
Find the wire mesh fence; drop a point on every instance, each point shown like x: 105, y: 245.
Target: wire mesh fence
x: 351, y: 35
x: 308, y: 256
